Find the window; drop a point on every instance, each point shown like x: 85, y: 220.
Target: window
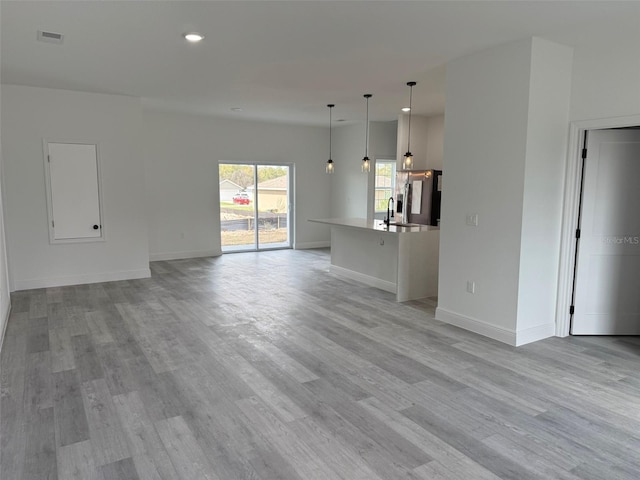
x: 385, y: 183
x: 73, y: 192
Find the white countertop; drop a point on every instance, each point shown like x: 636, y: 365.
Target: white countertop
x: 374, y: 225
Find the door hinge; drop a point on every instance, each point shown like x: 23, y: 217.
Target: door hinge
x: 584, y: 153
x: 53, y: 225
x: 49, y: 158
x: 578, y: 233
x: 571, y: 310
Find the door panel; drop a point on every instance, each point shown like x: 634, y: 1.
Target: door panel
x: 607, y: 295
x: 75, y: 200
x: 273, y: 206
x: 237, y: 208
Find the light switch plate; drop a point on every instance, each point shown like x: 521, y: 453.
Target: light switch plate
x: 472, y: 219
x: 471, y: 286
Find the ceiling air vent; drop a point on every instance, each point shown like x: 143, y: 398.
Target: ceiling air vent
x: 50, y: 37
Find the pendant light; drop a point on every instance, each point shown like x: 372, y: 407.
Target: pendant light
x: 408, y: 157
x: 329, y: 168
x: 366, y: 163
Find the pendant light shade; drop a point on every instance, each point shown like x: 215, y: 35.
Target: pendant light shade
x: 330, y: 168
x: 408, y: 157
x: 366, y: 163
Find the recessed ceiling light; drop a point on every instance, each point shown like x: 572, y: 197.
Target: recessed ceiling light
x: 193, y: 37
x: 236, y: 109
x: 406, y: 109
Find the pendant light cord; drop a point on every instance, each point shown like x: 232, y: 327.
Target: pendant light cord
x: 330, y: 108
x: 366, y: 135
x: 410, y: 108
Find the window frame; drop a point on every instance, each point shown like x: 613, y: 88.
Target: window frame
x: 391, y: 188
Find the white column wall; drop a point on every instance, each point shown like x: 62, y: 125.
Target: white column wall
x: 545, y: 163
x: 483, y: 173
x: 506, y: 128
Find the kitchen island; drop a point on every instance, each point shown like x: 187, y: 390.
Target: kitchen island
x: 399, y: 259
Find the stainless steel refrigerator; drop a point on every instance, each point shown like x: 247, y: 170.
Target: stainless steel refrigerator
x: 419, y: 196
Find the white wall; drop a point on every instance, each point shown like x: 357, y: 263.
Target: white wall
x: 506, y: 126
x: 181, y: 159
x: 349, y: 186
x: 606, y: 80
x: 352, y: 190
x: 435, y: 142
x: 5, y: 301
x: 382, y: 139
x: 30, y: 115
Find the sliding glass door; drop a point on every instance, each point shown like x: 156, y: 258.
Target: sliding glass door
x: 255, y: 206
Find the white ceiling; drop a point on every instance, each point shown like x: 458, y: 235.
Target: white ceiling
x: 282, y: 61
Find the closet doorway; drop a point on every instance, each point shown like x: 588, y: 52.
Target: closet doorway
x: 607, y: 268
x: 255, y: 206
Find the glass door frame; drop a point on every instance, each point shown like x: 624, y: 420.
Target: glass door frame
x: 256, y: 247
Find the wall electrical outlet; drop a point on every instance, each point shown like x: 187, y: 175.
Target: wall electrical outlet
x: 471, y: 286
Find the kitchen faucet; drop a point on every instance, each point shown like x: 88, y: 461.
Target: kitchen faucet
x: 387, y: 220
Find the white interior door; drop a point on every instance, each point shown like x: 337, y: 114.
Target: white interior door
x: 74, y: 191
x: 607, y: 289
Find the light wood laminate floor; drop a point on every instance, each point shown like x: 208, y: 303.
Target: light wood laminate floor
x: 263, y: 366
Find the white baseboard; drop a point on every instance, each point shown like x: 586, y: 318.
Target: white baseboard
x: 81, y: 279
x: 154, y: 257
x: 5, y: 318
x: 534, y: 334
x: 362, y: 278
x: 477, y: 326
x: 308, y: 245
